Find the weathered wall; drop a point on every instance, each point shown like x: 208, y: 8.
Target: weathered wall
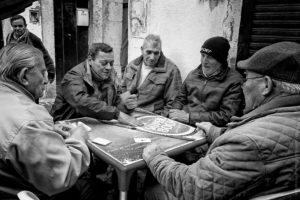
x: 183, y: 27
x: 106, y: 25
x: 47, y: 17
x: 44, y: 29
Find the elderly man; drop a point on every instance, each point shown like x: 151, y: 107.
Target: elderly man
x: 154, y: 78
x: 88, y: 90
x: 20, y: 34
x: 34, y: 155
x: 259, y: 153
x: 211, y: 92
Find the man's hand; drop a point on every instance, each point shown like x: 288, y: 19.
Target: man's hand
x: 151, y: 150
x: 129, y: 100
x: 63, y: 129
x: 71, y: 130
x: 205, y: 126
x: 126, y: 119
x: 80, y: 133
x: 179, y: 115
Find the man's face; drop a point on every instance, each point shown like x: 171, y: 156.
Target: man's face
x: 209, y: 64
x: 37, y: 78
x: 18, y: 27
x: 102, y: 64
x: 151, y: 53
x: 252, y: 88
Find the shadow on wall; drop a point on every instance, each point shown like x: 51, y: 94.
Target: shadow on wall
x: 212, y: 3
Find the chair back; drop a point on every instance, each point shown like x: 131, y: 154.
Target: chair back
x: 27, y: 195
x: 287, y: 195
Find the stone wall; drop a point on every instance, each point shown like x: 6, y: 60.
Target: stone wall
x: 106, y: 25
x: 183, y: 27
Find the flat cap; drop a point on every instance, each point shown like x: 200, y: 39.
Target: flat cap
x: 280, y: 61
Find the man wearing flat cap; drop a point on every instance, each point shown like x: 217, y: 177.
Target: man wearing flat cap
x: 211, y: 92
x: 259, y: 153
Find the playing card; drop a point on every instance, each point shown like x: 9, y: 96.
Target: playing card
x: 101, y: 141
x: 142, y: 140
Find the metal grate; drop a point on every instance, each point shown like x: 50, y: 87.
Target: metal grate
x: 274, y: 21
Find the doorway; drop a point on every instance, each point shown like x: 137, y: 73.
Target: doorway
x: 71, y: 40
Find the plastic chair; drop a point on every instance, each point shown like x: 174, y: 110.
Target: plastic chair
x: 287, y: 195
x: 27, y: 195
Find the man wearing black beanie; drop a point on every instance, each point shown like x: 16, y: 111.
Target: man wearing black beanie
x: 211, y: 92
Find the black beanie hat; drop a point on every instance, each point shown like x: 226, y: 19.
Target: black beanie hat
x: 218, y: 48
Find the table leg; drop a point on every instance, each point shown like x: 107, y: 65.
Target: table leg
x: 124, y: 178
x: 123, y: 195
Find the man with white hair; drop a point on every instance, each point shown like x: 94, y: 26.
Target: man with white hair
x: 34, y: 154
x: 154, y: 78
x: 259, y: 153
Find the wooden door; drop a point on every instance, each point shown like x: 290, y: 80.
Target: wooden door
x: 71, y: 41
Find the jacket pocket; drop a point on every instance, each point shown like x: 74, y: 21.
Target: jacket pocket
x: 156, y: 85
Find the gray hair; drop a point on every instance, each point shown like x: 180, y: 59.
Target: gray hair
x: 290, y: 88
x: 15, y: 57
x: 152, y: 38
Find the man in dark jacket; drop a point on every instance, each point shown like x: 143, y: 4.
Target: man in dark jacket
x: 259, y: 153
x: 155, y: 78
x: 20, y: 34
x: 89, y: 90
x: 211, y: 92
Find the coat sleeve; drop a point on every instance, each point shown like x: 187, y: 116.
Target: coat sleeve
x: 172, y: 88
x: 229, y: 107
x: 123, y: 85
x: 75, y: 93
x: 181, y: 98
x: 224, y: 172
x: 50, y: 163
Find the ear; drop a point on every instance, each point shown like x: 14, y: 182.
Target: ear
x: 267, y: 90
x: 22, y: 76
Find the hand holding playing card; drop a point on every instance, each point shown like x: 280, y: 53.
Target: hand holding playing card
x: 78, y: 130
x: 63, y: 129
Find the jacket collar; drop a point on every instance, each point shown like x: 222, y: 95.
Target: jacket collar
x: 87, y: 77
x: 159, y: 67
x: 277, y: 104
x: 88, y: 74
x: 18, y: 88
x: 219, y: 77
